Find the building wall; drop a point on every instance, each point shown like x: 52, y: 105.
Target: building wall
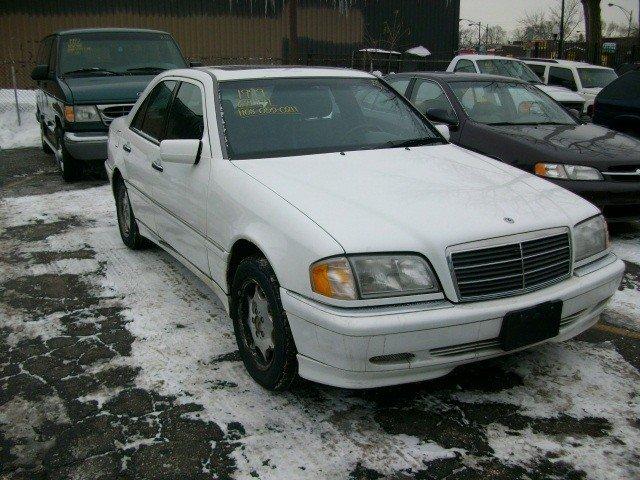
x: 242, y: 31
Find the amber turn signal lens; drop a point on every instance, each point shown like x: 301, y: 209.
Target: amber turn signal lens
x: 541, y: 169
x: 69, y: 114
x: 333, y: 278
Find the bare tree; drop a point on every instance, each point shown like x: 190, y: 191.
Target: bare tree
x: 534, y: 26
x: 572, y: 16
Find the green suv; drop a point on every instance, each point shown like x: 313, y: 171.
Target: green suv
x: 88, y: 77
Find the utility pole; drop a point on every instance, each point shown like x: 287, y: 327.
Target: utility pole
x: 293, y: 32
x: 561, y: 39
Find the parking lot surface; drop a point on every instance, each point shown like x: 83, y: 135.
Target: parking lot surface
x: 121, y: 364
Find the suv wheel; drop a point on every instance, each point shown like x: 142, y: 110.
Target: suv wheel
x: 69, y: 166
x: 45, y: 146
x: 126, y: 220
x: 261, y: 327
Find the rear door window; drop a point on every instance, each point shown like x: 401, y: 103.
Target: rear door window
x: 186, y: 119
x: 428, y: 96
x: 155, y: 114
x: 538, y: 70
x: 399, y: 84
x: 465, y: 65
x: 562, y: 77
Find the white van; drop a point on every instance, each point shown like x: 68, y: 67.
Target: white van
x: 585, y: 79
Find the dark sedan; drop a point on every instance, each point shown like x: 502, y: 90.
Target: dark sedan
x: 516, y: 123
x: 617, y: 106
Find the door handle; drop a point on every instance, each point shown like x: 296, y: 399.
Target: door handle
x: 126, y: 148
x: 157, y: 167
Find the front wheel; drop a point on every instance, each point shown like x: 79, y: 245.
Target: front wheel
x: 261, y: 327
x: 45, y: 146
x: 69, y: 166
x: 126, y: 220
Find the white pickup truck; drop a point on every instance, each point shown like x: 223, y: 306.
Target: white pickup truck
x: 349, y: 241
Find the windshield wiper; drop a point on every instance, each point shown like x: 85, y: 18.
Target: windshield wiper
x: 414, y: 142
x: 146, y: 69
x: 92, y: 70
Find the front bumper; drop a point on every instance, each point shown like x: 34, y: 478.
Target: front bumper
x: 86, y: 145
x: 374, y: 347
x: 619, y: 201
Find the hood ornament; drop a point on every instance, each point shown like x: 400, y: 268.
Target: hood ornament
x: 508, y: 219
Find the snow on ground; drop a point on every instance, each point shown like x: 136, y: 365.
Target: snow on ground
x: 12, y: 135
x: 184, y: 346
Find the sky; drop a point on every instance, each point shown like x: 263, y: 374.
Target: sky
x: 507, y: 12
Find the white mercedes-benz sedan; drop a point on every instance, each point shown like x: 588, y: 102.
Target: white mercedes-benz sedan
x: 349, y: 241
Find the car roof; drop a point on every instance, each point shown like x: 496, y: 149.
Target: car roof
x: 458, y: 76
x: 477, y: 56
x: 246, y: 72
x: 76, y: 31
x: 566, y: 63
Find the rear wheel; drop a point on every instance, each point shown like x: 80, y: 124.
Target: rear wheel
x: 126, y: 220
x: 70, y: 168
x: 261, y: 327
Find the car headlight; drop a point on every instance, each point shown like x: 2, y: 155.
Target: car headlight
x: 81, y: 113
x: 567, y: 172
x: 373, y: 276
x: 590, y: 238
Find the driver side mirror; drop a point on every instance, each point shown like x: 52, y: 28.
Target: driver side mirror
x: 440, y: 115
x: 40, y: 73
x: 444, y: 130
x: 185, y: 152
x: 195, y: 63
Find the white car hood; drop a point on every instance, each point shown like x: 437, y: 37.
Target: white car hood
x: 423, y: 199
x: 560, y: 94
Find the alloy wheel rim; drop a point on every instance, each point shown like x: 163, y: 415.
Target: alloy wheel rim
x: 258, y: 325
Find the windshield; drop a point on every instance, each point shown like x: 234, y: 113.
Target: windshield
x: 596, y: 77
x: 508, y: 68
x: 118, y: 53
x: 504, y: 103
x: 277, y: 117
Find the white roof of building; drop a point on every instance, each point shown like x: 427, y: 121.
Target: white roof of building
x: 243, y: 72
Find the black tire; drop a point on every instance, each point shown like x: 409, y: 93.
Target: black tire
x: 127, y: 221
x: 70, y: 168
x: 45, y: 146
x: 282, y: 370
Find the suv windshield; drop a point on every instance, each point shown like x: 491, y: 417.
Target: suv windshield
x: 277, y: 117
x: 504, y: 103
x: 118, y: 53
x: 596, y: 77
x: 508, y: 68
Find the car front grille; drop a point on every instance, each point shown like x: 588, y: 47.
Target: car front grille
x: 513, y: 268
x: 111, y: 112
x: 623, y: 173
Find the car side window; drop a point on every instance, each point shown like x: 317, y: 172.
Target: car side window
x: 186, y: 119
x: 155, y: 114
x: 465, y: 65
x: 432, y: 101
x: 44, y: 52
x: 538, y: 70
x: 399, y: 84
x: 562, y: 77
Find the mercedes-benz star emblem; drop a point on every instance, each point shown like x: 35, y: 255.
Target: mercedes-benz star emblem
x: 508, y: 220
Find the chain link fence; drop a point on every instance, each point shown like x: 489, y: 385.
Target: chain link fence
x: 17, y: 90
